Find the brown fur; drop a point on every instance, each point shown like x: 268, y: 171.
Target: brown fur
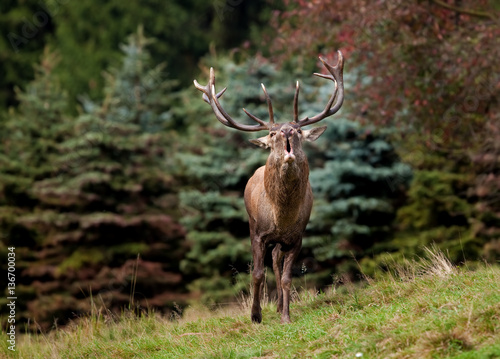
x: 279, y: 199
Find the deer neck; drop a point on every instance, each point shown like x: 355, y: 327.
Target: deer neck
x: 286, y: 185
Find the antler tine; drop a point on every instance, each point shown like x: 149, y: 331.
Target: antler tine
x: 296, y: 104
x: 269, y: 105
x: 207, y: 94
x: 211, y: 97
x: 255, y: 118
x: 232, y: 123
x: 206, y: 89
x: 205, y: 97
x: 336, y: 75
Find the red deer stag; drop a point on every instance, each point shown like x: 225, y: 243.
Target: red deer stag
x: 278, y: 197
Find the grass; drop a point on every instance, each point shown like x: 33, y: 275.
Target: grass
x: 428, y: 309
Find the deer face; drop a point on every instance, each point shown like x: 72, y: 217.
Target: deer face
x: 285, y: 140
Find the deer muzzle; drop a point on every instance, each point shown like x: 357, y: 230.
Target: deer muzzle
x: 289, y: 155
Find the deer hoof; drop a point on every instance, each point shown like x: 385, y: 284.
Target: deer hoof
x: 256, y: 317
x: 285, y: 320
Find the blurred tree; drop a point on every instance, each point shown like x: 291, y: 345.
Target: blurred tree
x: 431, y: 69
x: 30, y: 136
x: 486, y: 189
x: 88, y: 34
x: 107, y: 200
x: 29, y: 139
x: 417, y: 62
x: 25, y: 29
x: 359, y: 184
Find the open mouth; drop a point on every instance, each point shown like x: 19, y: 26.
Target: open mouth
x: 289, y: 156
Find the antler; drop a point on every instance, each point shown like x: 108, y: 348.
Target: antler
x: 336, y: 75
x: 337, y: 96
x: 212, y: 98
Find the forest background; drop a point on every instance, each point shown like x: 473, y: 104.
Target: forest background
x: 119, y: 188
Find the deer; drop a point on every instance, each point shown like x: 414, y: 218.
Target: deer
x: 278, y: 197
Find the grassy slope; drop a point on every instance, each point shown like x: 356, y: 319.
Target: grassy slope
x: 430, y: 311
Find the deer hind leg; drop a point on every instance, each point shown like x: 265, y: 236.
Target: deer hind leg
x: 286, y: 282
x: 277, y: 266
x: 259, y: 252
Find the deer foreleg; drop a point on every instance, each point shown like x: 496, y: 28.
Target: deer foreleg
x: 259, y: 252
x: 277, y: 265
x: 286, y: 283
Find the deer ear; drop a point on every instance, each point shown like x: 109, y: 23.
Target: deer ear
x: 261, y: 141
x: 313, y: 134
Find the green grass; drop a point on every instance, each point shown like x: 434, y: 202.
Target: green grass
x: 426, y: 310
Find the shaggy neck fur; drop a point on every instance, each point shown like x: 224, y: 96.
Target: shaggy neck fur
x: 286, y: 184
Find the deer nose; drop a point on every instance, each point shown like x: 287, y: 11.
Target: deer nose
x: 287, y: 132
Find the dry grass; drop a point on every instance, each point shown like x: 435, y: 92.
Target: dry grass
x: 425, y: 309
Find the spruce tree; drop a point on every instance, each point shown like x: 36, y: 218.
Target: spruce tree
x: 105, y: 234
x: 359, y: 183
x: 30, y: 137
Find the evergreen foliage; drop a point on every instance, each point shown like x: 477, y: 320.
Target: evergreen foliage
x: 351, y: 172
x: 31, y: 136
x: 104, y: 202
x: 359, y: 184
x: 25, y: 28
x: 88, y: 34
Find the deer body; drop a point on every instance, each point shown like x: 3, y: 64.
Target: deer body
x: 268, y: 212
x: 278, y: 197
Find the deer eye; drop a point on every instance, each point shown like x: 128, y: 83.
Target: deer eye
x: 272, y: 134
x: 299, y: 131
